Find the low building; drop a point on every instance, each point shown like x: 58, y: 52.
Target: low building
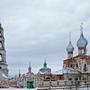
x: 48, y: 79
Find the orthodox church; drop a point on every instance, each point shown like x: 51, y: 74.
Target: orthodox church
x: 77, y: 67
x: 3, y: 64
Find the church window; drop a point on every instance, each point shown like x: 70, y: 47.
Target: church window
x: 85, y: 68
x: 0, y: 68
x: 47, y: 78
x: 76, y: 78
x: 76, y: 65
x: 0, y: 33
x: 71, y: 65
x: 82, y: 51
x: 0, y: 44
x: 70, y: 79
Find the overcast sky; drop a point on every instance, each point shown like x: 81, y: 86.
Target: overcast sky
x: 38, y: 29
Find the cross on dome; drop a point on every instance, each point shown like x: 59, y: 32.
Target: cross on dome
x: 81, y: 27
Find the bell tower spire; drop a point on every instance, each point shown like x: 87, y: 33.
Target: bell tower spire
x: 29, y: 68
x: 45, y: 63
x: 69, y: 36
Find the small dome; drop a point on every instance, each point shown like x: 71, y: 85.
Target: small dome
x: 82, y: 42
x: 70, y: 47
x: 45, y: 69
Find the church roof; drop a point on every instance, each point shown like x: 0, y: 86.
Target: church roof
x: 45, y: 69
x: 82, y: 42
x: 70, y: 47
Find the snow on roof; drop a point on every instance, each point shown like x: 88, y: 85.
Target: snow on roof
x: 57, y: 72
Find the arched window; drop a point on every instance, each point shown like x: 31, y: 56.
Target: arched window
x: 0, y: 57
x: 71, y: 65
x: 70, y: 79
x: 76, y: 65
x: 0, y: 44
x: 85, y: 67
x: 0, y: 68
x: 0, y: 33
x: 47, y: 78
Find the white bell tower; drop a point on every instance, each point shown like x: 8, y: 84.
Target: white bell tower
x: 3, y: 64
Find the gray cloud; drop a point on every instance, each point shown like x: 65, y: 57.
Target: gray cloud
x: 35, y: 29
